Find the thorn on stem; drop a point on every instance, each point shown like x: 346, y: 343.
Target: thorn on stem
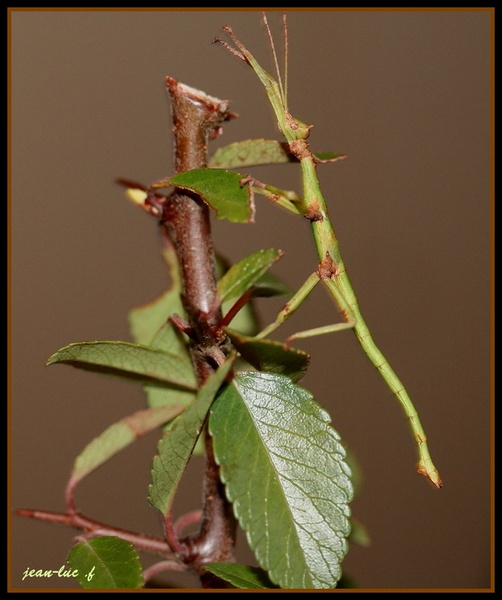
x: 182, y: 325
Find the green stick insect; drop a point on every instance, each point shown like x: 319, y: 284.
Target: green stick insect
x: 331, y: 269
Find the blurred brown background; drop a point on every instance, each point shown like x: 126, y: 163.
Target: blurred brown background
x: 407, y: 96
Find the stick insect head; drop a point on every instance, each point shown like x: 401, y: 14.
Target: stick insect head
x: 291, y: 128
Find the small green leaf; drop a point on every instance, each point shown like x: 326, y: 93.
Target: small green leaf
x: 221, y: 190
x: 248, y: 153
x: 285, y: 473
x: 118, y: 436
x: 177, y: 444
x: 271, y: 356
x: 246, y: 272
x: 127, y: 360
x: 241, y: 576
x: 106, y: 563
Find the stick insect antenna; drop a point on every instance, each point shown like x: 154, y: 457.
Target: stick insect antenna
x: 276, y: 62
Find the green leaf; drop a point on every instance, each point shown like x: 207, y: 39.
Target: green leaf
x: 106, y: 563
x: 166, y: 396
x: 247, y: 153
x: 241, y: 576
x: 127, y: 360
x: 267, y: 285
x: 246, y: 320
x: 221, y: 190
x: 285, y: 473
x: 177, y: 444
x: 118, y: 436
x: 168, y: 338
x: 148, y: 325
x: 250, y: 153
x: 243, y: 274
x: 271, y: 356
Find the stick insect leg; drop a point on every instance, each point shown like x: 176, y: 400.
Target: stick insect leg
x: 345, y: 297
x: 290, y: 307
x: 345, y: 309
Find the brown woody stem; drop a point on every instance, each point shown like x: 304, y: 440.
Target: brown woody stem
x: 197, y: 118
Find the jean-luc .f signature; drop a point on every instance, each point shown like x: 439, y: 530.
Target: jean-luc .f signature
x: 63, y: 571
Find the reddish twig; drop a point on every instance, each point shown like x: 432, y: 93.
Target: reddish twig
x: 164, y: 565
x: 90, y: 526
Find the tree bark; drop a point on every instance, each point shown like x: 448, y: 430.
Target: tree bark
x: 197, y: 118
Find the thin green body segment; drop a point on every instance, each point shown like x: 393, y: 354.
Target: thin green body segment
x: 331, y: 270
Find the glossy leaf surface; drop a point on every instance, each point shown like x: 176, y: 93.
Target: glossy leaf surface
x: 285, y: 473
